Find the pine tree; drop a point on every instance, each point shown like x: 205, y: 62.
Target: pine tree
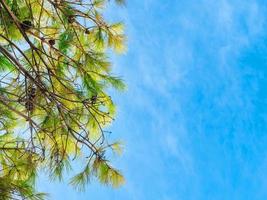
x: 54, y: 105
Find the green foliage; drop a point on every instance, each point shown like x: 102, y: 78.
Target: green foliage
x: 65, y: 41
x: 18, y: 169
x: 106, y: 174
x: 5, y: 64
x: 54, y: 103
x: 80, y: 180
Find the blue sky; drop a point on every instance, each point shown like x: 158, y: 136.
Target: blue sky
x: 194, y: 117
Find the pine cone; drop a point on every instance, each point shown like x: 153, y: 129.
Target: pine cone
x: 26, y: 25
